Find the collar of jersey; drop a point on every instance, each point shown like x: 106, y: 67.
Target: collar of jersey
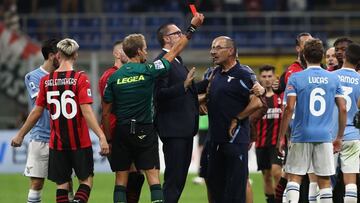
x: 314, y: 67
x: 43, y: 70
x: 349, y: 69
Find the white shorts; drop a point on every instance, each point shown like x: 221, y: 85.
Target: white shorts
x: 37, y: 160
x: 302, y: 155
x: 348, y: 157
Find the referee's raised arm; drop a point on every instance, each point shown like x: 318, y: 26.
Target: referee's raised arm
x: 196, y: 22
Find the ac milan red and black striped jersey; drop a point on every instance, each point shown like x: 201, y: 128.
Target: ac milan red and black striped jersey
x: 102, y: 84
x: 62, y: 93
x: 268, y: 127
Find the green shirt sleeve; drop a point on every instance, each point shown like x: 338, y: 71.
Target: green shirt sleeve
x: 108, y: 94
x: 158, y: 67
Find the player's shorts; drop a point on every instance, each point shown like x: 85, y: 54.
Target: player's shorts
x: 301, y: 155
x: 62, y: 163
x: 349, y: 157
x: 37, y: 160
x: 140, y: 148
x: 267, y: 156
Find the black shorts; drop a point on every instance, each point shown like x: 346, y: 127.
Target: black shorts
x: 267, y: 156
x: 140, y: 148
x: 62, y: 163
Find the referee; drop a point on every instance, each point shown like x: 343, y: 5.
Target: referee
x: 129, y: 94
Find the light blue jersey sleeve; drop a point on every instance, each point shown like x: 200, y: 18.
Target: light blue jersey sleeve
x: 290, y: 89
x: 41, y: 131
x: 32, y: 86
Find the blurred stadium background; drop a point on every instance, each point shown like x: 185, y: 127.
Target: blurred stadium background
x: 264, y: 30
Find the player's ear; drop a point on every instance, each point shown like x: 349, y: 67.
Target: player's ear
x: 76, y: 55
x: 139, y: 51
x: 232, y: 52
x: 51, y: 56
x: 116, y: 53
x: 57, y: 56
x: 166, y: 39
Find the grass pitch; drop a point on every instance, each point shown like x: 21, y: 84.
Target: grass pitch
x: 14, y: 188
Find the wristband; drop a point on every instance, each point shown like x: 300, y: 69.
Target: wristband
x: 191, y: 29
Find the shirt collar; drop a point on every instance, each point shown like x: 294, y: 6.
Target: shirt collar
x: 314, y: 67
x: 43, y: 70
x: 167, y: 51
x: 350, y: 69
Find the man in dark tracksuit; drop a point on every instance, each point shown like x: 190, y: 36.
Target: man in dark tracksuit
x: 176, y: 115
x: 228, y: 98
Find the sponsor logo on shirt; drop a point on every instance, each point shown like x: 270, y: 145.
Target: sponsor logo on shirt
x: 130, y: 79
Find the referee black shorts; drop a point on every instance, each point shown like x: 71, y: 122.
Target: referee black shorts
x: 61, y: 164
x: 140, y: 148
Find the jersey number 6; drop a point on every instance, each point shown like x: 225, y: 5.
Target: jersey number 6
x: 316, y: 96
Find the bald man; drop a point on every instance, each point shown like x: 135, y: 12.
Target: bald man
x: 232, y: 88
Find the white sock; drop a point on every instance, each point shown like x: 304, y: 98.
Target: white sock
x: 350, y: 193
x: 326, y: 195
x: 284, y: 196
x: 71, y: 195
x: 313, y: 192
x: 292, y: 192
x: 34, y: 196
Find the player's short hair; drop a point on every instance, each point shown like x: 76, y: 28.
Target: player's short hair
x: 352, y: 53
x: 49, y: 47
x: 342, y: 39
x: 161, y: 32
x: 132, y: 43
x: 314, y: 51
x: 297, y: 40
x: 230, y: 43
x: 117, y: 42
x: 267, y: 68
x: 68, y: 47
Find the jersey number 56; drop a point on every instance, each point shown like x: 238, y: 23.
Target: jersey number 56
x: 60, y: 106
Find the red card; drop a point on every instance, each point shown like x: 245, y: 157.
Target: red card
x: 193, y: 9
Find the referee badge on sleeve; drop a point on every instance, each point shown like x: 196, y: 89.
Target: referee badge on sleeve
x: 159, y: 65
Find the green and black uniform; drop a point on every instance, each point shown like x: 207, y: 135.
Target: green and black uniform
x: 130, y: 90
